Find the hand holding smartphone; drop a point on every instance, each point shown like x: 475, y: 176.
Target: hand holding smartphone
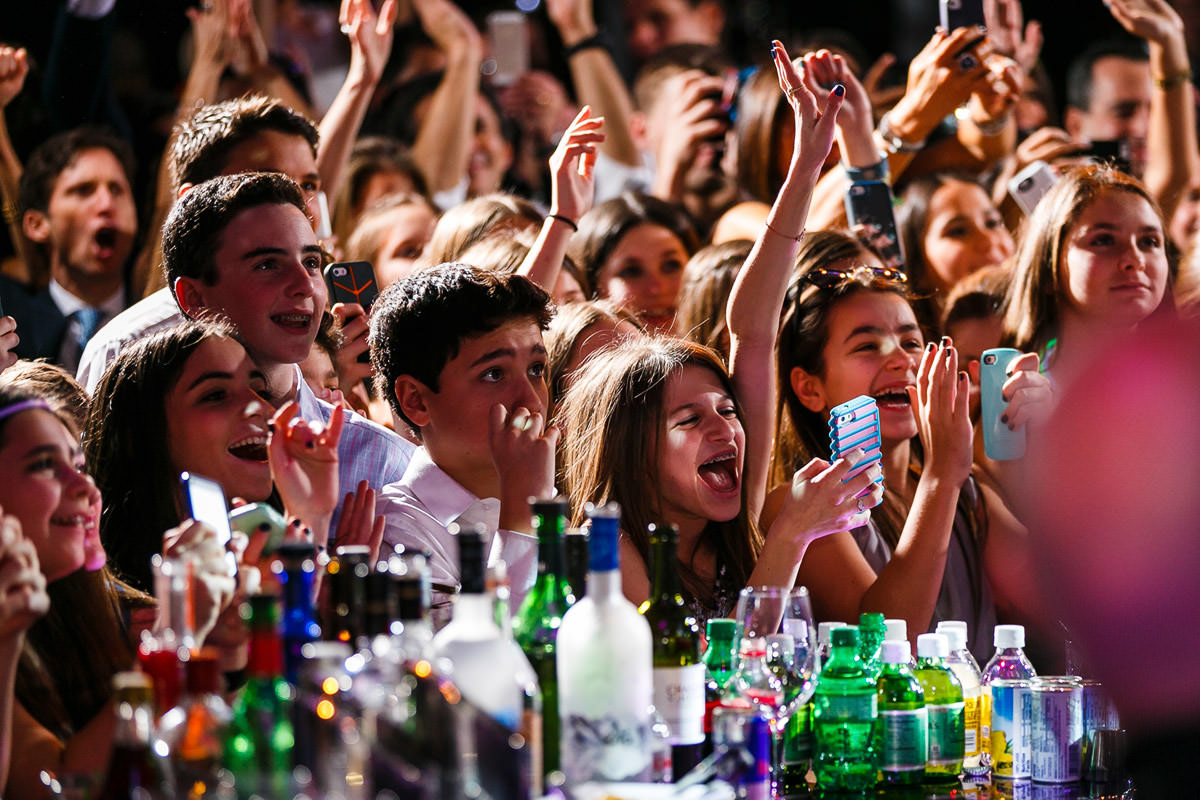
x: 206, y: 503
x: 869, y: 210
x: 1000, y: 443
x: 352, y: 282
x: 855, y: 424
x: 960, y: 14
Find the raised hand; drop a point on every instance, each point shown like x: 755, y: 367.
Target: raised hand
x: 1010, y: 34
x: 572, y: 189
x: 997, y: 90
x: 370, y: 35
x: 941, y: 403
x: 695, y: 128
x: 352, y: 319
x: 14, y: 66
x: 855, y: 124
x: 214, y: 583
x: 358, y: 524
x: 815, y: 127
x: 1152, y: 20
x: 449, y: 28
x: 940, y: 78
x: 214, y: 33
x: 23, y: 596
x: 573, y: 18
x: 304, y: 462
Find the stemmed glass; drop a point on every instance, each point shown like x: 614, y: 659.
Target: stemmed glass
x: 777, y: 651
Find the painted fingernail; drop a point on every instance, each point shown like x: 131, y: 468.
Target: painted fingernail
x: 929, y: 348
x: 310, y: 445
x: 945, y: 341
x: 270, y: 427
x: 839, y: 90
x: 1011, y: 427
x: 1004, y: 418
x: 962, y: 376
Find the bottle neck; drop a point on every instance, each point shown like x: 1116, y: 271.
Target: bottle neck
x: 666, y: 585
x: 266, y: 654
x: 719, y: 653
x: 135, y: 722
x: 476, y: 610
x: 604, y: 586
x: 297, y: 592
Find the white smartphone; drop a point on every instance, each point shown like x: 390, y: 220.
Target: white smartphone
x: 508, y: 35
x: 206, y: 503
x: 1029, y: 185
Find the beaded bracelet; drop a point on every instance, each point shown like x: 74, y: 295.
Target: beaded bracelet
x: 1172, y: 81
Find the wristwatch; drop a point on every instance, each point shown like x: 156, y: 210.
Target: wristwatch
x: 892, y: 142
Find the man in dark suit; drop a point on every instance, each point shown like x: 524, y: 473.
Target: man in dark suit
x: 78, y: 213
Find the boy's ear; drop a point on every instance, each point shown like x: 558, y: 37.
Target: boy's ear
x: 638, y: 130
x: 190, y: 298
x: 411, y: 397
x: 36, y: 226
x: 809, y: 389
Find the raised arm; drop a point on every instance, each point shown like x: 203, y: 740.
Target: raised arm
x: 595, y: 76
x: 1171, y: 158
x: 443, y: 144
x: 370, y: 45
x: 14, y: 66
x: 571, y: 194
x: 756, y: 300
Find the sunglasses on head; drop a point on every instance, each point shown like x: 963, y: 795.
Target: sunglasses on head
x: 827, y: 277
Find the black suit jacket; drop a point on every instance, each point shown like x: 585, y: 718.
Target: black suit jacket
x: 40, y: 325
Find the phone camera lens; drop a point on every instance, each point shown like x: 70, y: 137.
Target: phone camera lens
x: 1025, y: 185
x: 989, y: 359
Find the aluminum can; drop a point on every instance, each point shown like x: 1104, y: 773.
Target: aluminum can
x: 1056, y: 729
x: 1011, y: 711
x: 1099, y: 714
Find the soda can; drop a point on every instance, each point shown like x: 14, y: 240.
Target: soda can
x: 1099, y: 714
x: 1056, y: 735
x: 1011, y: 711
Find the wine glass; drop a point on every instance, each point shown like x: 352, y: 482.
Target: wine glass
x: 777, y: 650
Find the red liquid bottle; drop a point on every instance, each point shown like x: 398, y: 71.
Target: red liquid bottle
x: 135, y: 769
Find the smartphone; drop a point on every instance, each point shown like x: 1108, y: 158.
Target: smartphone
x: 1112, y: 151
x: 254, y: 517
x: 960, y: 14
x: 1000, y: 443
x: 1028, y: 185
x: 508, y: 36
x: 869, y: 207
x: 206, y: 503
x: 352, y: 282
x: 855, y: 424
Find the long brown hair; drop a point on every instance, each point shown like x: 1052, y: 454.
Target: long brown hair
x: 1036, y: 292
x: 613, y: 415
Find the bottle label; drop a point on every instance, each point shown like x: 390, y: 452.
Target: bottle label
x: 679, y: 699
x: 848, y: 707
x: 971, y: 712
x: 1011, y: 716
x: 904, y: 739
x: 945, y: 734
x: 606, y: 748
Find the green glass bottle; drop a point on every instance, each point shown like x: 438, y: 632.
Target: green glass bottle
x: 258, y: 750
x: 872, y: 630
x: 902, y: 718
x: 845, y: 712
x: 944, y: 706
x: 678, y: 669
x: 536, y: 625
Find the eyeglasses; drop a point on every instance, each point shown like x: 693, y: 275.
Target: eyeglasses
x: 827, y: 278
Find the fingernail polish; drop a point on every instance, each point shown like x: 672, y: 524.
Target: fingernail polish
x: 945, y: 341
x: 839, y: 90
x: 270, y: 427
x: 1004, y: 418
x: 929, y: 348
x: 1010, y: 427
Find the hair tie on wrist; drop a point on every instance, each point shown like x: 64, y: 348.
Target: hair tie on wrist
x: 593, y: 42
x: 778, y: 232
x: 565, y: 221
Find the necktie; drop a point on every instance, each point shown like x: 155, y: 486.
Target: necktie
x: 88, y: 320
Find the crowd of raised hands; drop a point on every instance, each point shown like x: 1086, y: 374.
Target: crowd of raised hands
x: 715, y: 294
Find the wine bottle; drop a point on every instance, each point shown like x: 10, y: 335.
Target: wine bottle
x: 605, y: 659
x: 540, y: 616
x: 678, y: 669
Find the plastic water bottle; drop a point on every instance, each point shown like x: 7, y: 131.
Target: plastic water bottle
x: 903, y: 721
x: 975, y: 707
x: 845, y: 712
x: 1007, y: 677
x: 944, y: 707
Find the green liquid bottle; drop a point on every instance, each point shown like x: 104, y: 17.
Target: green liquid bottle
x: 845, y: 713
x: 902, y: 718
x: 719, y: 667
x: 536, y: 625
x: 944, y: 706
x: 678, y: 669
x: 258, y: 750
x: 872, y: 630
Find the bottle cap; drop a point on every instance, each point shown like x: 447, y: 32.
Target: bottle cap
x: 932, y: 645
x: 550, y: 507
x: 783, y: 644
x: 1008, y: 636
x: 723, y: 630
x: 602, y: 549
x: 895, y: 651
x: 824, y: 630
x: 471, y: 560
x: 845, y: 637
x: 955, y: 632
x: 897, y: 629
x: 870, y: 620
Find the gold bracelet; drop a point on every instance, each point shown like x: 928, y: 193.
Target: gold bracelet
x: 795, y: 238
x: 1173, y: 81
x: 10, y: 213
